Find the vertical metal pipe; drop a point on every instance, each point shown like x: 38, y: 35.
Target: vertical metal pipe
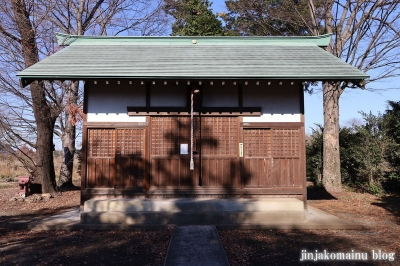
x: 191, y: 131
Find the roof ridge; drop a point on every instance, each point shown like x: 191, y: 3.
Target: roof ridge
x: 67, y: 39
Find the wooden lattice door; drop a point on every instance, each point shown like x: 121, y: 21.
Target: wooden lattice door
x: 115, y: 158
x: 219, y: 151
x: 169, y: 167
x: 271, y: 158
x: 215, y: 151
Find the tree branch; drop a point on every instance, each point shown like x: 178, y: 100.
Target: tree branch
x: 9, y: 35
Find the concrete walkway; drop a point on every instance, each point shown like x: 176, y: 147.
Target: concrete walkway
x: 196, y: 245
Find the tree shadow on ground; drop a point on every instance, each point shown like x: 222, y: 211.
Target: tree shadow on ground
x: 133, y: 247
x: 391, y: 204
x: 69, y: 188
x: 21, y: 222
x: 285, y: 247
x: 318, y: 193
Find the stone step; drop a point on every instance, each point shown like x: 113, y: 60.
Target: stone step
x: 194, y: 204
x: 192, y: 218
x: 184, y: 211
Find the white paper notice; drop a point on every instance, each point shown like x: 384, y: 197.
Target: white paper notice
x: 184, y: 148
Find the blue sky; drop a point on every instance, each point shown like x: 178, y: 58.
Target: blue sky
x: 352, y: 100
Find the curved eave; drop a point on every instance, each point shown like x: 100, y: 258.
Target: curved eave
x: 192, y: 62
x: 26, y: 80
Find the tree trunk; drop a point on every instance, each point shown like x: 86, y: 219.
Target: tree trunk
x: 68, y: 138
x: 45, y: 116
x: 331, y: 177
x: 44, y: 173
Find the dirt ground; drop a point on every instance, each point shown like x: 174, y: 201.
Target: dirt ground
x: 380, y: 217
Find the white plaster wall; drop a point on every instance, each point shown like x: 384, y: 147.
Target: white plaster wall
x: 112, y: 117
x: 219, y: 95
x: 279, y: 103
x: 109, y: 102
x: 168, y: 95
x: 273, y: 118
x: 114, y: 98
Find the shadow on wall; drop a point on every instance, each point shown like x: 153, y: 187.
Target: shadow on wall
x: 215, y: 154
x: 117, y: 158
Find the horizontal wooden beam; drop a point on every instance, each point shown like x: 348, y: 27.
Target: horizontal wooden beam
x: 204, y: 111
x: 196, y: 190
x: 280, y: 125
x: 203, y: 190
x: 115, y: 124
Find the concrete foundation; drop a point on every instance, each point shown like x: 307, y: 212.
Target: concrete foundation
x: 170, y: 212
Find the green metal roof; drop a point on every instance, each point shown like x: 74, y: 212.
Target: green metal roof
x: 86, y: 57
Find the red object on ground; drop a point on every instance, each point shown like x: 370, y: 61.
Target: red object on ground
x: 23, y: 183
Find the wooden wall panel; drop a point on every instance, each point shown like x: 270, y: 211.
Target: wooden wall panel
x: 111, y: 182
x: 100, y: 172
x: 271, y: 158
x: 222, y: 172
x: 172, y: 172
x: 219, y: 136
x: 257, y: 143
x: 261, y: 172
x: 101, y: 143
x: 129, y: 172
x: 91, y: 173
x: 167, y: 133
x: 122, y: 158
x: 130, y: 143
x: 115, y: 157
x: 287, y: 172
x: 285, y: 143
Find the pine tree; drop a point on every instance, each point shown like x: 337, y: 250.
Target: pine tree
x: 267, y: 17
x: 193, y: 18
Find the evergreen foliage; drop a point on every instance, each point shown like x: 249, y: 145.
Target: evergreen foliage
x: 267, y: 17
x: 392, y: 155
x: 193, y: 18
x: 369, y: 153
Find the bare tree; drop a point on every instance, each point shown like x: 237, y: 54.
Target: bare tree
x: 18, y: 117
x: 22, y: 33
x: 366, y: 35
x: 98, y: 17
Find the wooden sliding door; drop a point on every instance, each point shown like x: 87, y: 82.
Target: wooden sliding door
x: 215, y: 141
x: 271, y: 158
x: 219, y: 138
x: 169, y: 164
x: 116, y: 158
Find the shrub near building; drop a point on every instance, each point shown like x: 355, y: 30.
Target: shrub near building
x: 369, y: 153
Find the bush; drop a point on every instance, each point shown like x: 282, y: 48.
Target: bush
x: 369, y: 153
